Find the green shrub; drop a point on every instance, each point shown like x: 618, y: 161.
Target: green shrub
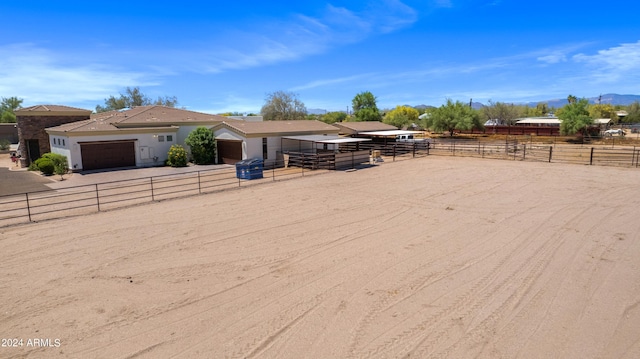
x: 51, y: 163
x: 45, y: 166
x: 203, y: 145
x: 33, y: 167
x: 4, y: 144
x: 177, y: 156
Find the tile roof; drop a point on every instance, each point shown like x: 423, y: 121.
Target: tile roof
x: 144, y: 116
x: 51, y: 108
x: 365, y: 126
x: 280, y: 127
x: 139, y: 118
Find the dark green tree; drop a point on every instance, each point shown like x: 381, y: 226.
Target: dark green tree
x: 203, y: 145
x: 454, y: 116
x: 8, y: 106
x: 283, y: 106
x: 365, y: 108
x: 134, y: 97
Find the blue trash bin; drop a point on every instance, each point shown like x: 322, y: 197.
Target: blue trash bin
x: 249, y: 169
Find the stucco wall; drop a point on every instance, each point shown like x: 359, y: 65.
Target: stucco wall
x: 33, y: 128
x: 149, y: 151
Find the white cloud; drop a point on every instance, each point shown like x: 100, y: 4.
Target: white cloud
x: 39, y: 76
x: 616, y: 59
x: 302, y: 35
x: 330, y: 82
x: 553, y: 58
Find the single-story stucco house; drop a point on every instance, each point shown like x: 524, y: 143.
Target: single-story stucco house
x: 239, y: 140
x: 140, y: 136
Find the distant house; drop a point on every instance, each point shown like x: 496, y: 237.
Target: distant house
x: 354, y: 128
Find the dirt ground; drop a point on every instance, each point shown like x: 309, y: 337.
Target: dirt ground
x: 427, y: 258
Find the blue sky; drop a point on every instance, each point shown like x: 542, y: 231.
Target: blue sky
x: 227, y: 56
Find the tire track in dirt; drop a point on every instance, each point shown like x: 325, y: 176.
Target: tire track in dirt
x: 465, y: 304
x: 412, y: 287
x: 533, y: 268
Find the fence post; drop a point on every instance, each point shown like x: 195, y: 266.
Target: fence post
x: 97, y: 198
x: 394, y: 152
x: 591, y: 157
x: 28, y: 207
x: 453, y: 149
x: 273, y: 170
x: 550, y: 153
x: 414, y: 149
x: 199, y: 188
x: 353, y: 161
x: 302, y: 164
x: 524, y: 152
x: 152, y: 196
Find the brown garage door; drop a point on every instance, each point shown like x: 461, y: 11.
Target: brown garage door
x: 99, y: 155
x: 229, y: 151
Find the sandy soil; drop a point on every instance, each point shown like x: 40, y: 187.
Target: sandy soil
x: 427, y: 258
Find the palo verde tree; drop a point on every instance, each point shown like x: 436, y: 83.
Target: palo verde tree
x: 365, y: 108
x: 134, y: 97
x: 454, y: 116
x: 503, y: 113
x: 203, y: 146
x: 283, y: 106
x: 575, y: 117
x: 402, y: 116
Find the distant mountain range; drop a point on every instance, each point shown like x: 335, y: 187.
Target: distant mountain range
x: 610, y: 98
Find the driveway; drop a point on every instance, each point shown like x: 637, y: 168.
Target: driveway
x: 122, y: 174
x: 21, y: 181
x: 14, y: 180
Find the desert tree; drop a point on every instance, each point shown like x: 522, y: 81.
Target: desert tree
x: 8, y: 106
x: 453, y: 116
x: 575, y: 117
x: 365, y: 107
x: 283, y: 106
x: 505, y: 114
x: 402, y: 116
x: 134, y: 97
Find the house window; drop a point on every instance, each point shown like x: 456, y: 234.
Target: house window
x: 264, y: 148
x: 63, y: 142
x: 161, y: 138
x: 169, y: 138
